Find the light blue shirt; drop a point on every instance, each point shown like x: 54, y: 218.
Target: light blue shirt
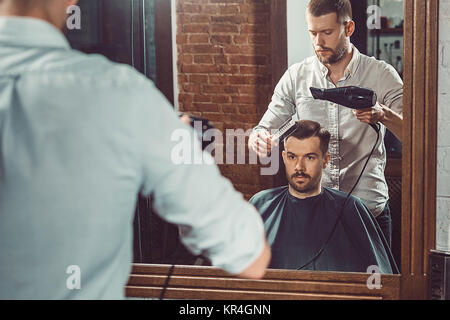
x: 80, y: 136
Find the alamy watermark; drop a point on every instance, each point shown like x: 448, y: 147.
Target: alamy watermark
x: 374, y: 280
x: 73, y: 21
x: 73, y: 281
x: 374, y: 17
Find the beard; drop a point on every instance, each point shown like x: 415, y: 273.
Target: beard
x: 337, y: 54
x: 307, y: 186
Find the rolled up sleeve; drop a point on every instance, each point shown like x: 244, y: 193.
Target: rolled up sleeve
x: 391, y: 88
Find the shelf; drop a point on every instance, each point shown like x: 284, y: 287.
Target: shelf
x: 388, y: 31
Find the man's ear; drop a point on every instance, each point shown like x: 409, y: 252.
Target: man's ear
x: 283, y: 154
x: 326, y: 160
x: 350, y: 28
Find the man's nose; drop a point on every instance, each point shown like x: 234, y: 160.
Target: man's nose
x: 300, y: 166
x: 319, y: 41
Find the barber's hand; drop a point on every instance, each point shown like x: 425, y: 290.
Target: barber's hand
x: 260, y: 141
x: 371, y: 115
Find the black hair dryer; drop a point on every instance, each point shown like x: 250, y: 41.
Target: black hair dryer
x: 350, y: 97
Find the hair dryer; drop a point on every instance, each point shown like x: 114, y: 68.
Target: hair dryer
x: 350, y: 97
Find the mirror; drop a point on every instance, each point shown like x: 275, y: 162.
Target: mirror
x: 134, y: 40
x: 419, y: 191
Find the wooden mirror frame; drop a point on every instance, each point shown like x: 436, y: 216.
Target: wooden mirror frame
x: 418, y: 198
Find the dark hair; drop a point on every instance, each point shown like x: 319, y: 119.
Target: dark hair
x: 308, y: 129
x: 342, y: 8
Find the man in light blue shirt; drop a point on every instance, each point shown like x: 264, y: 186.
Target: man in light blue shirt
x: 80, y: 136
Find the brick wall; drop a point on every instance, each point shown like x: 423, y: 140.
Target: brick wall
x: 224, y: 71
x: 443, y: 174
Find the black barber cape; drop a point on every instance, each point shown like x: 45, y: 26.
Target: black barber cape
x: 297, y: 229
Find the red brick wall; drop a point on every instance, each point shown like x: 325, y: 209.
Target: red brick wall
x: 224, y: 70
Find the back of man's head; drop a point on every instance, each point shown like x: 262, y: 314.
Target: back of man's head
x: 342, y: 8
x: 308, y: 129
x: 52, y: 11
x: 22, y: 6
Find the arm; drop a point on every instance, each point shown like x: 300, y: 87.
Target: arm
x: 258, y: 268
x: 389, y: 110
x: 380, y: 113
x: 214, y: 220
x: 393, y: 121
x: 280, y: 109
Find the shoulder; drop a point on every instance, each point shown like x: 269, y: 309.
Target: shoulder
x: 307, y: 64
x: 267, y: 195
x: 333, y: 194
x: 89, y: 70
x: 338, y: 197
x: 380, y: 66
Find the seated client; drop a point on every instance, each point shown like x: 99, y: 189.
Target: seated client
x: 302, y: 219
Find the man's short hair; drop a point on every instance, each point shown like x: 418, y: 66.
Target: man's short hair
x: 342, y: 8
x: 24, y: 5
x: 309, y: 129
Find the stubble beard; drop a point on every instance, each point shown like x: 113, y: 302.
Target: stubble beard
x: 338, y: 54
x: 308, y: 187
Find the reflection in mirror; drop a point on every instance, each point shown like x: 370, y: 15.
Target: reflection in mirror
x: 224, y: 76
x: 331, y: 63
x: 117, y: 29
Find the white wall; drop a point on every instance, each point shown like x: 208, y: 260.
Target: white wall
x: 443, y: 170
x: 299, y: 42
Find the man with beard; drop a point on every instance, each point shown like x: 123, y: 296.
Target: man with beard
x: 311, y: 227
x: 337, y: 63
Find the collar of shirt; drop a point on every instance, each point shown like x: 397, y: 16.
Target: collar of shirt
x: 30, y: 32
x: 349, y: 70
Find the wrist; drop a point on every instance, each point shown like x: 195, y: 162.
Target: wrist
x: 385, y: 114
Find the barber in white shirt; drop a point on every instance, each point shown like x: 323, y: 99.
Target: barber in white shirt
x: 337, y: 63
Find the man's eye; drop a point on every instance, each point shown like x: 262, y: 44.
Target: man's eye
x: 291, y: 157
x: 310, y: 157
x: 328, y: 33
